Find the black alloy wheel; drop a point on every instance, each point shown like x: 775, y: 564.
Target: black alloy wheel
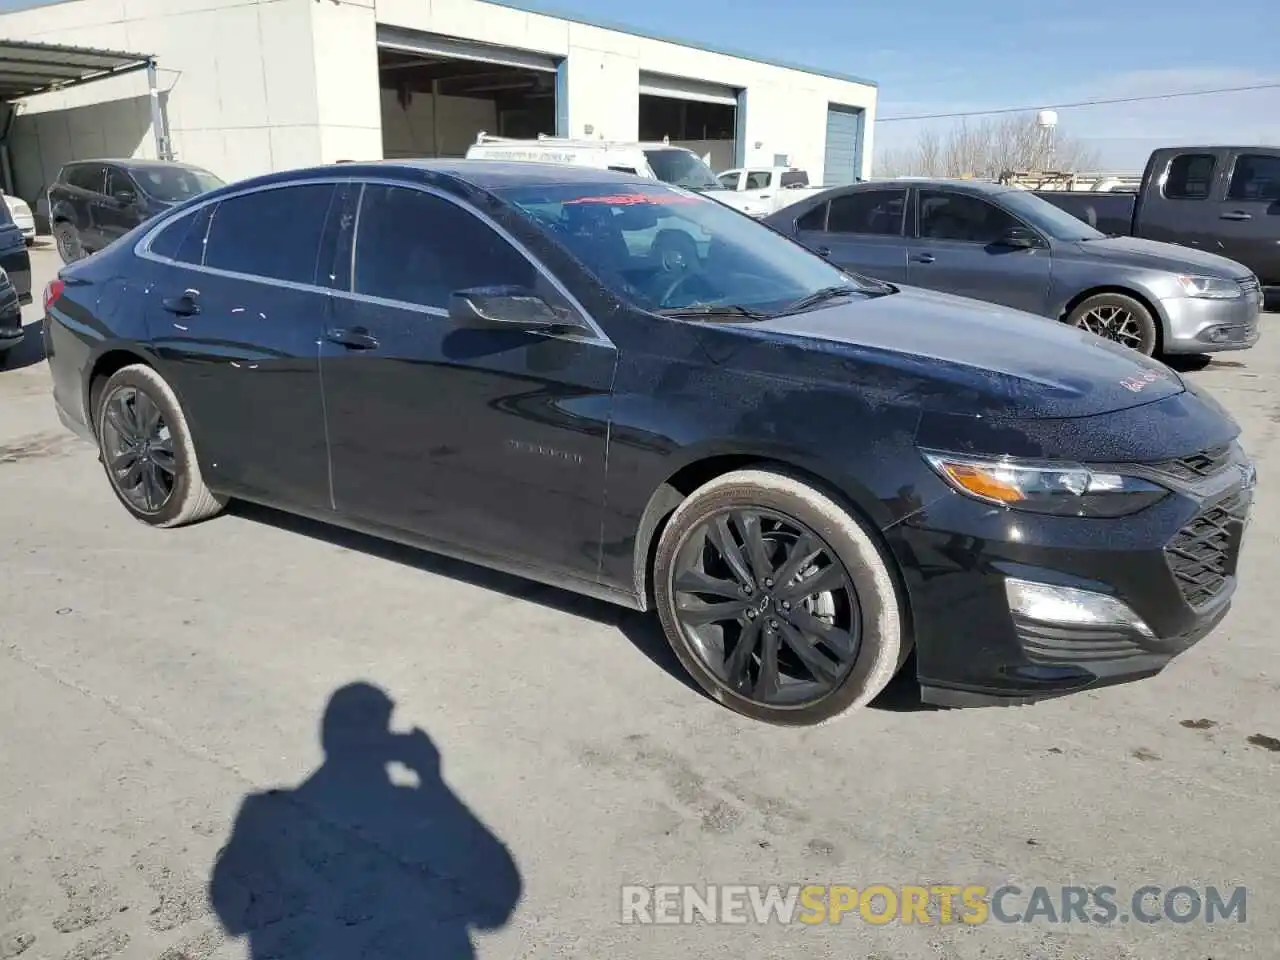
x: 137, y: 447
x: 767, y: 606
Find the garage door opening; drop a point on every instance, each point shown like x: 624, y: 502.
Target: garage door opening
x: 434, y: 104
x: 702, y: 117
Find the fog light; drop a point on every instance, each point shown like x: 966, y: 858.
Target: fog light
x: 1067, y: 606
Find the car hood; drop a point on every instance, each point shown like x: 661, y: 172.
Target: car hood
x: 1152, y: 254
x: 951, y: 354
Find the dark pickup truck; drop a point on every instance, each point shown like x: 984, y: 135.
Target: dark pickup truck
x: 1223, y: 200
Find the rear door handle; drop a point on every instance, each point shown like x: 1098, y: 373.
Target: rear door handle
x: 1236, y: 215
x: 923, y: 258
x: 184, y: 306
x: 357, y: 338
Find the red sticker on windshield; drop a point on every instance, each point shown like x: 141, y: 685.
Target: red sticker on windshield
x: 633, y: 199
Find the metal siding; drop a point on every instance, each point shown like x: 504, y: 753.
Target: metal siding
x: 740, y: 132
x: 562, y: 99
x: 842, y: 162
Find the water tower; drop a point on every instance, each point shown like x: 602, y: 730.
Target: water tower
x: 1047, y: 121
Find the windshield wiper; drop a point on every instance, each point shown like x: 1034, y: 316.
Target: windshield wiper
x: 718, y: 310
x: 822, y: 296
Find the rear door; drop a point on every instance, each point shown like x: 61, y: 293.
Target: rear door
x: 861, y: 230
x: 237, y: 313
x: 1249, y: 216
x: 958, y: 250
x: 88, y: 184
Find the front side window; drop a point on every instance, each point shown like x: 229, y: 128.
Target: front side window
x: 681, y: 168
x: 758, y: 180
x: 1190, y: 176
x: 175, y: 184
x: 871, y: 212
x: 272, y: 233
x: 662, y: 248
x: 415, y: 247
x: 118, y: 184
x: 1256, y: 177
x: 958, y: 216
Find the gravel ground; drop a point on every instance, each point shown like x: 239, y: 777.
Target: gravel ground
x: 161, y: 697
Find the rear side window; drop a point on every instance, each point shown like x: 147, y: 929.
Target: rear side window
x: 86, y: 176
x: 1190, y: 176
x: 794, y: 178
x: 1256, y: 177
x: 873, y: 212
x: 183, y: 239
x: 270, y: 233
x: 414, y: 247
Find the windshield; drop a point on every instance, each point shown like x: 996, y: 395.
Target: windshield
x: 665, y: 249
x: 1047, y: 218
x: 174, y: 184
x: 682, y: 168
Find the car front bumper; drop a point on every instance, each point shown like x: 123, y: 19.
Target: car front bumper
x: 1172, y: 567
x: 1205, y: 326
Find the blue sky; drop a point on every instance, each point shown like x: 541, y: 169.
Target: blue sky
x: 931, y: 56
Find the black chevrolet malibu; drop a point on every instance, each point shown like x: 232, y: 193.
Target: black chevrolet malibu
x: 632, y: 391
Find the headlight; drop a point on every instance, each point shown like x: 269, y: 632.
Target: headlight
x: 1061, y: 489
x: 1210, y: 288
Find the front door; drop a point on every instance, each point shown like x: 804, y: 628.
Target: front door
x: 492, y: 441
x: 861, y: 231
x: 958, y: 250
x: 118, y: 212
x: 235, y: 310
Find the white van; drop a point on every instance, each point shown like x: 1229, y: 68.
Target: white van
x: 678, y: 166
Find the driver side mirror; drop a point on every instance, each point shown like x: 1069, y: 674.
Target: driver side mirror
x: 507, y: 308
x: 126, y: 198
x: 1019, y: 238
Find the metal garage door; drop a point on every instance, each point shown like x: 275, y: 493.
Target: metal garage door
x: 681, y: 88
x: 844, y: 145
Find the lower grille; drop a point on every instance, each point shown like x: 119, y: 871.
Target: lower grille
x: 1202, y: 555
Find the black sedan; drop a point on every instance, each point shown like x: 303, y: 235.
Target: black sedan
x: 628, y: 390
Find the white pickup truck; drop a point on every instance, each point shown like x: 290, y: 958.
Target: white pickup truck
x: 760, y: 191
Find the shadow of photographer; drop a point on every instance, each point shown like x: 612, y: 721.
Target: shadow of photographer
x: 352, y: 863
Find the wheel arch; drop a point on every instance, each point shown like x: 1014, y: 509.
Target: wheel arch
x: 1133, y: 293
x: 707, y: 466
x: 104, y: 366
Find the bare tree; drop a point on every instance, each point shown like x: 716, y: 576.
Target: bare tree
x: 987, y: 149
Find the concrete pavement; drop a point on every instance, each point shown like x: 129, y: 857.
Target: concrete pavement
x: 161, y: 696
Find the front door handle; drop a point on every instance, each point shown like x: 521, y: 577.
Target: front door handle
x: 186, y: 305
x: 923, y: 258
x: 1236, y: 215
x: 356, y: 338
x: 823, y: 251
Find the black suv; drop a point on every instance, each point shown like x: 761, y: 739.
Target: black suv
x: 95, y: 201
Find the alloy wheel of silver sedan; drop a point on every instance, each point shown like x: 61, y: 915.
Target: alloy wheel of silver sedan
x: 1119, y: 318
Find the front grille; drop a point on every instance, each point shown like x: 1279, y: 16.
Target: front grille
x: 1198, y: 465
x: 1202, y: 555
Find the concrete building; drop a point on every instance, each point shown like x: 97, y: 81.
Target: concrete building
x: 243, y: 87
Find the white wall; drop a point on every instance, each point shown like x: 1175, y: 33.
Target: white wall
x: 410, y: 133
x: 257, y: 85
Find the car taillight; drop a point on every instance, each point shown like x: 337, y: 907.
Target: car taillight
x: 52, y: 292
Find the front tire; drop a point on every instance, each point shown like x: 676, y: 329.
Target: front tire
x: 1119, y: 318
x: 148, y: 453
x: 777, y: 600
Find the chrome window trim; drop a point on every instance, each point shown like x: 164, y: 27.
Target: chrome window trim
x: 142, y: 249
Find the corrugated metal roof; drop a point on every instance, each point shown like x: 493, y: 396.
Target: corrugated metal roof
x: 28, y: 68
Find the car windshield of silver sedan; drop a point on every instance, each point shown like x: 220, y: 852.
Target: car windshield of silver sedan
x: 673, y: 252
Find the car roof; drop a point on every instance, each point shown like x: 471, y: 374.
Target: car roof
x: 134, y: 164
x: 976, y: 187
x: 479, y: 174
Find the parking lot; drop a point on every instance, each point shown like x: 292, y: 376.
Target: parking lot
x: 161, y: 695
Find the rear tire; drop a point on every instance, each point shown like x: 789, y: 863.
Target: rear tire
x: 67, y: 239
x: 857, y: 622
x: 146, y: 448
x: 1118, y: 318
